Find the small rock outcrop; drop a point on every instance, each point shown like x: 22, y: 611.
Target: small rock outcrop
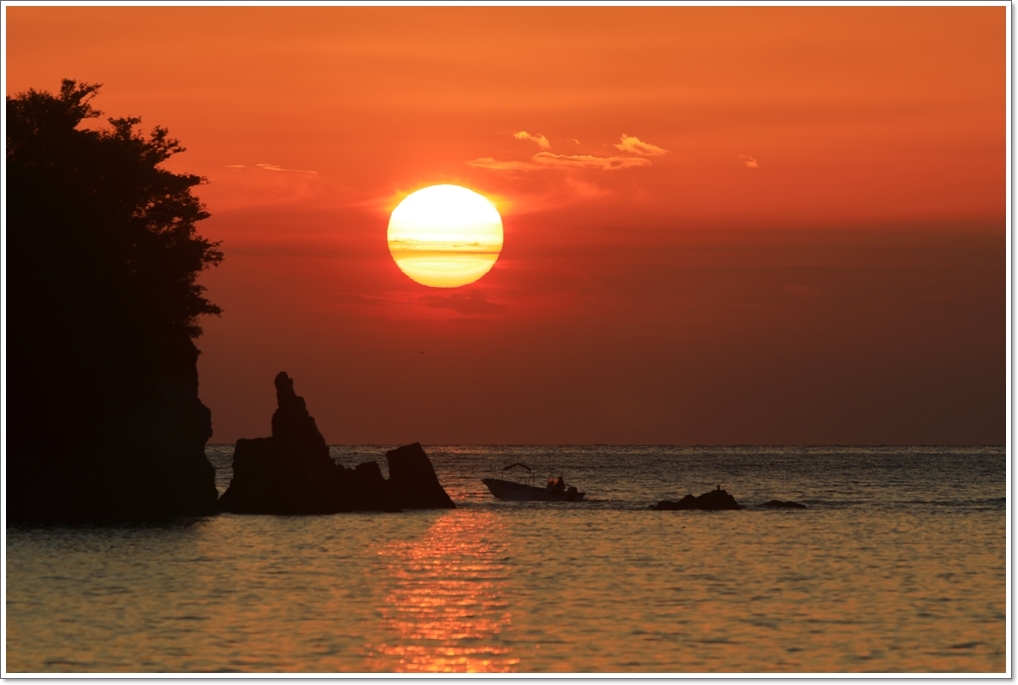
x: 687, y: 502
x: 371, y: 491
x: 413, y: 479
x: 715, y: 500
x: 292, y: 472
x: 779, y: 504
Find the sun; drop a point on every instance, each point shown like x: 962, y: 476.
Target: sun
x: 445, y: 236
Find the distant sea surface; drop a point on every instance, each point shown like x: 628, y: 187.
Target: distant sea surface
x: 897, y: 564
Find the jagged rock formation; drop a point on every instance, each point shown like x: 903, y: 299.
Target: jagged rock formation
x: 292, y: 472
x: 779, y: 504
x: 715, y: 500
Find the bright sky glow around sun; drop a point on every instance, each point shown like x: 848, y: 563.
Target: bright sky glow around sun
x: 445, y: 236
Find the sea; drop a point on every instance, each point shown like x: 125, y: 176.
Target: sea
x: 898, y: 564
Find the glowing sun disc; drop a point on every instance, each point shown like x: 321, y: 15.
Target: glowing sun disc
x: 445, y: 236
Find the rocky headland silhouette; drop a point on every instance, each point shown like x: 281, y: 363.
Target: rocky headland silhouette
x: 103, y: 417
x: 291, y: 472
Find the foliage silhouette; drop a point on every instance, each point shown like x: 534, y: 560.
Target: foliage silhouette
x: 103, y: 256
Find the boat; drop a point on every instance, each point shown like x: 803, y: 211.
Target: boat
x: 523, y: 489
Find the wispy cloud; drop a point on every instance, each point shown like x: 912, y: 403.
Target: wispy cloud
x: 750, y: 162
x: 262, y: 184
x: 266, y: 166
x: 635, y: 146
x: 541, y: 141
x: 275, y: 167
x: 473, y: 302
x: 638, y: 154
x: 502, y: 164
x: 405, y: 303
x: 549, y: 160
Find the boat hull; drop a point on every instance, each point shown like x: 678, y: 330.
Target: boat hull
x: 509, y: 490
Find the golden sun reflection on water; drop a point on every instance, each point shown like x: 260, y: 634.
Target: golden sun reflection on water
x: 446, y: 609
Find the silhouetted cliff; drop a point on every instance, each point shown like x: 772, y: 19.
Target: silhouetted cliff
x: 103, y: 416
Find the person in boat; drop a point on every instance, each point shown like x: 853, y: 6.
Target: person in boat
x: 556, y: 486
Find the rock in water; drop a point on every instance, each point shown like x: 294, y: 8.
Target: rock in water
x: 687, y: 502
x: 371, y: 491
x: 414, y: 481
x: 307, y: 480
x: 715, y: 500
x: 779, y: 504
x: 292, y: 472
x: 252, y: 488
x: 294, y: 431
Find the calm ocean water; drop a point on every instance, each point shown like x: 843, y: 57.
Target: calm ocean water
x: 898, y: 564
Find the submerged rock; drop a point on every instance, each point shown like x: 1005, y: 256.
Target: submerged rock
x: 292, y: 472
x: 715, y: 500
x: 687, y: 502
x: 779, y: 504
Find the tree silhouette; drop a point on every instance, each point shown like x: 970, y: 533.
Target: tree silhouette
x: 102, y: 303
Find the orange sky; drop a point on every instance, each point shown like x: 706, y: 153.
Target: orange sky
x: 801, y: 239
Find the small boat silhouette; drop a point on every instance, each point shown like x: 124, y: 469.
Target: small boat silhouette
x: 524, y: 489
